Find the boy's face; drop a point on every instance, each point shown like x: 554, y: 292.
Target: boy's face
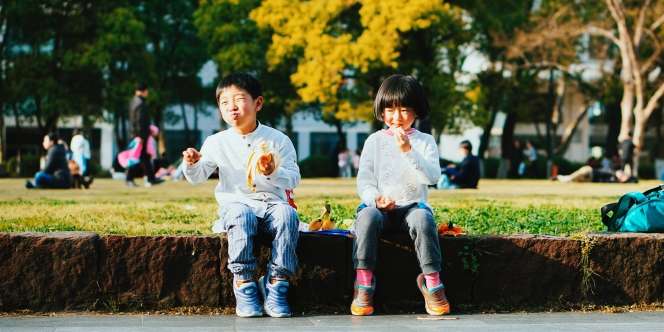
x: 398, y: 116
x: 238, y: 108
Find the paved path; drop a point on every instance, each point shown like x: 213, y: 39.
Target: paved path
x: 637, y: 321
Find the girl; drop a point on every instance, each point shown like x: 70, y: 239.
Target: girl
x: 396, y: 166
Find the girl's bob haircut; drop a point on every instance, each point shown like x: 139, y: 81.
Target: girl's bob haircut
x: 401, y: 91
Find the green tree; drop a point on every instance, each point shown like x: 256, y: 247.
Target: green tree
x: 235, y: 43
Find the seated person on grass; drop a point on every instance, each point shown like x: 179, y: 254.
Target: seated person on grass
x: 257, y: 164
x: 599, y: 171
x: 55, y: 173
x: 463, y: 176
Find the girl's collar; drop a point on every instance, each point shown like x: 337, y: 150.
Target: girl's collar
x: 409, y: 132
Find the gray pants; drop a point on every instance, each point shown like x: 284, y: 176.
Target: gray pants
x: 416, y: 219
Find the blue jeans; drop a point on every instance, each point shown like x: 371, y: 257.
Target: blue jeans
x: 44, y: 180
x: 444, y: 183
x: 242, y: 226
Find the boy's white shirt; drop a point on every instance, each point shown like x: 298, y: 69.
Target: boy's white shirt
x: 230, y: 151
x: 403, y: 177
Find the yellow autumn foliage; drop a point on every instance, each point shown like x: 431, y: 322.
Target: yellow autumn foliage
x: 304, y: 30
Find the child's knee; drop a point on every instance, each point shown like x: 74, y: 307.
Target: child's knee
x: 240, y: 214
x: 421, y: 220
x: 369, y: 217
x: 285, y: 217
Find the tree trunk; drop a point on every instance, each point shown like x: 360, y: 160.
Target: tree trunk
x: 506, y: 145
x: 486, y: 133
x: 124, y: 139
x: 656, y: 147
x: 550, y: 130
x: 185, y: 123
x: 613, y: 130
x: 198, y: 138
x: 570, y: 130
x: 17, y: 117
x: 3, y: 138
x: 289, y: 124
x: 342, y: 137
x: 640, y: 123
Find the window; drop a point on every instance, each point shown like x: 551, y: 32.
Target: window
x: 324, y: 144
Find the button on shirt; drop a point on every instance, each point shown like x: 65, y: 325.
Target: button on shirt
x: 403, y: 177
x: 230, y: 151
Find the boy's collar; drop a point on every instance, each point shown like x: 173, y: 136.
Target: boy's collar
x: 258, y: 126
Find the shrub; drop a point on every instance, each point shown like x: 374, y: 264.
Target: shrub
x: 29, y: 166
x: 318, y: 166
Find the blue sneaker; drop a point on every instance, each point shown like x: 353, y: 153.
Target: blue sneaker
x: 247, y: 301
x: 275, y: 297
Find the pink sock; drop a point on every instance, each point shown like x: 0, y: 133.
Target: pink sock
x: 364, y: 277
x: 432, y: 279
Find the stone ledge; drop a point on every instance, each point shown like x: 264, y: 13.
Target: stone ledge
x: 73, y: 270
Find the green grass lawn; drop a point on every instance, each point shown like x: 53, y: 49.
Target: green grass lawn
x: 498, y: 207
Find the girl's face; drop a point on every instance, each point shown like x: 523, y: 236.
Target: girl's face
x: 398, y: 116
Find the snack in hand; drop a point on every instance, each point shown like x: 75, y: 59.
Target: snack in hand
x: 254, y: 163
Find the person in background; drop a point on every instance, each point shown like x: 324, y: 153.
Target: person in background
x: 528, y: 165
x: 516, y: 157
x: 131, y: 159
x: 599, y: 169
x: 140, y: 126
x: 627, y: 154
x: 55, y: 173
x: 356, y: 161
x: 465, y: 175
x: 80, y: 153
x: 345, y: 163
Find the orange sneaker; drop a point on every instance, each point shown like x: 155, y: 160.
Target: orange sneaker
x: 363, y: 299
x: 435, y: 301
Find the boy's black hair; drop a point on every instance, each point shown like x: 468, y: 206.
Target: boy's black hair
x: 52, y: 136
x: 243, y: 81
x: 466, y: 145
x: 404, y: 91
x: 141, y: 86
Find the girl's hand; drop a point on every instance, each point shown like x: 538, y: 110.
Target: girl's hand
x: 191, y: 156
x: 402, y: 139
x: 385, y: 204
x: 266, y: 164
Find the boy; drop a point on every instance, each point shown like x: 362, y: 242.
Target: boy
x: 257, y: 164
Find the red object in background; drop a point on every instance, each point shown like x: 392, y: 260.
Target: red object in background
x: 289, y: 196
x: 450, y: 230
x: 554, y: 170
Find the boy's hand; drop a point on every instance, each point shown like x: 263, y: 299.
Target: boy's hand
x: 385, y: 204
x: 191, y: 156
x: 266, y: 164
x: 402, y: 139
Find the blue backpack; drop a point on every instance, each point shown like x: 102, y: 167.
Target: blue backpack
x: 636, y: 212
